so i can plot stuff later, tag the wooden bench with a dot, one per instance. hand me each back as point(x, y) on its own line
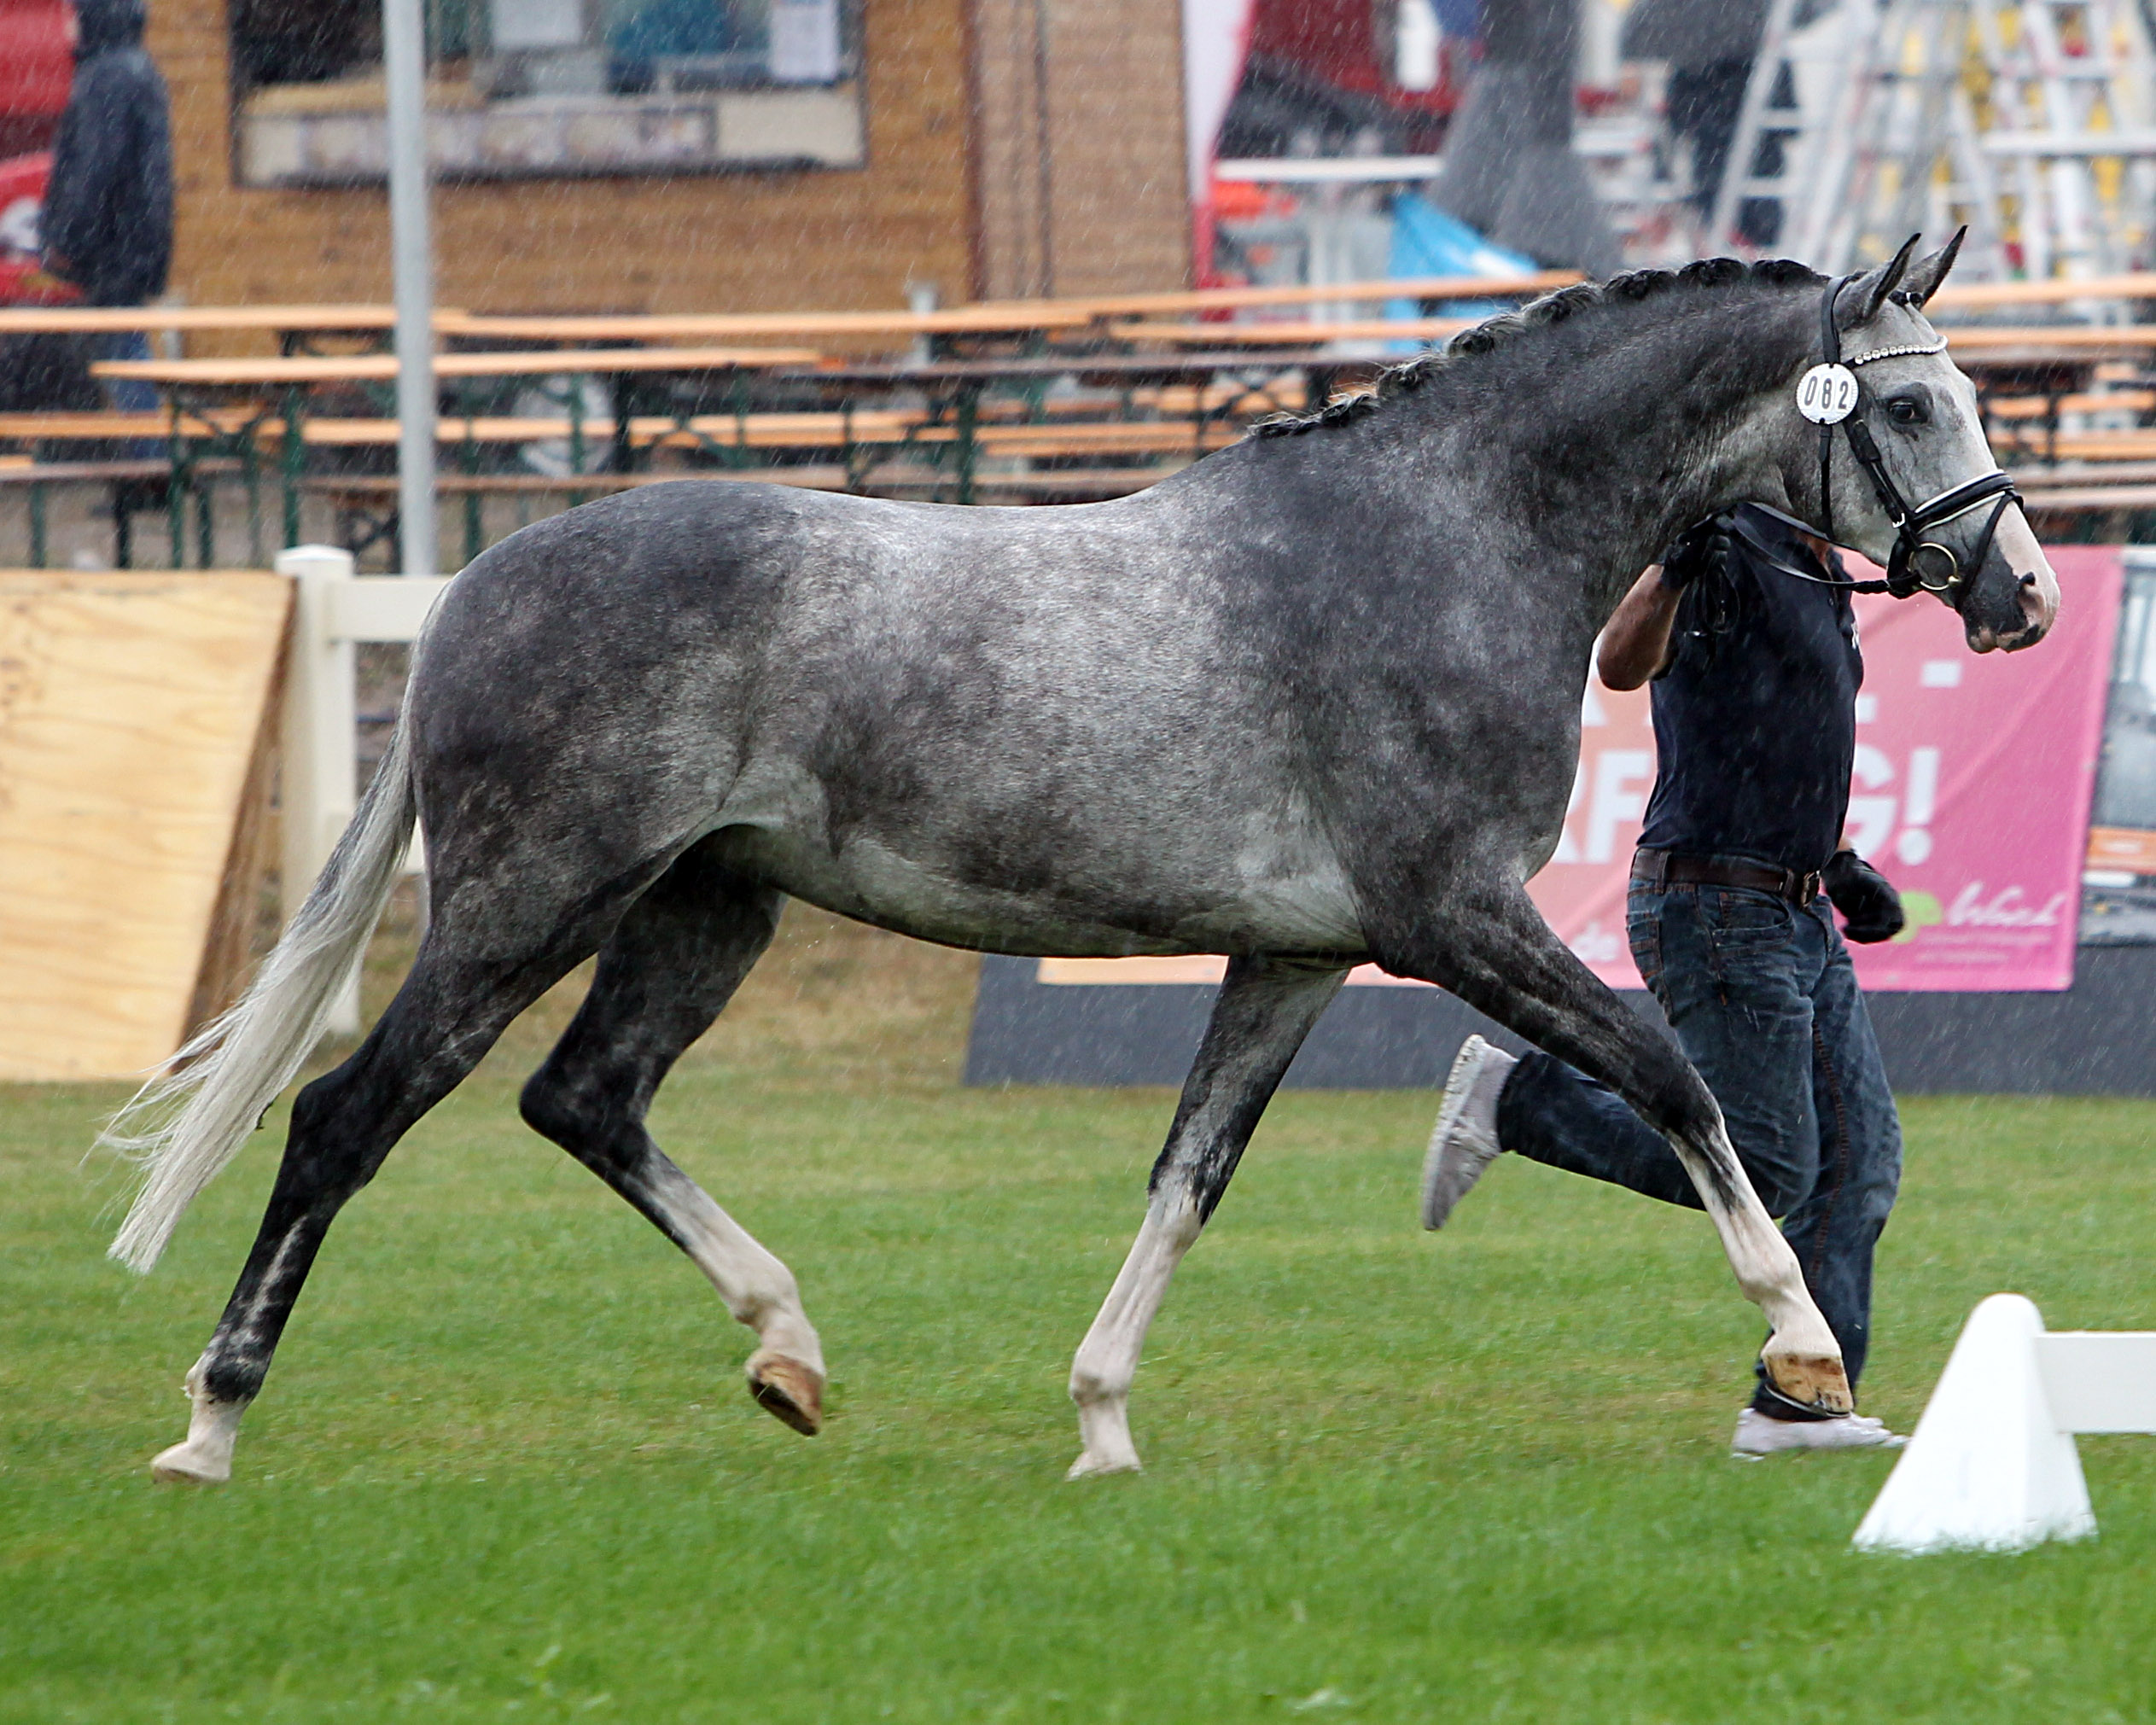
point(1015, 320)
point(1097, 443)
point(1958, 296)
point(2090, 499)
point(748, 431)
point(110, 427)
point(1954, 297)
point(277, 320)
point(378, 367)
point(130, 483)
point(2021, 407)
point(2106, 446)
point(1426, 331)
point(2089, 473)
point(1417, 287)
point(135, 486)
point(2077, 343)
point(2017, 344)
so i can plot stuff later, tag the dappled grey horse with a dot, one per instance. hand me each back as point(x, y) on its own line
point(1314, 700)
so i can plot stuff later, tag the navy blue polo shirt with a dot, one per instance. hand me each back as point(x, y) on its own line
point(1754, 718)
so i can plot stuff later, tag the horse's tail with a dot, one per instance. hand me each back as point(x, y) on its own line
point(185, 1124)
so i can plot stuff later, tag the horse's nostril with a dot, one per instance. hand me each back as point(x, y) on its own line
point(2028, 580)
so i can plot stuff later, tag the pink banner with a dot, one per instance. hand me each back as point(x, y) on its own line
point(1971, 793)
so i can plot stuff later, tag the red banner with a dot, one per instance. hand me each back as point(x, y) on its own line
point(1971, 793)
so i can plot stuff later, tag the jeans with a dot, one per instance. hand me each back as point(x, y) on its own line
point(1765, 1003)
point(127, 395)
point(130, 394)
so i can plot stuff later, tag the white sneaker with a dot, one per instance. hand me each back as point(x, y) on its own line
point(1463, 1142)
point(1757, 1435)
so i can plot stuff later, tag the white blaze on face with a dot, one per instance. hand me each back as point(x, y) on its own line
point(2016, 542)
point(2014, 538)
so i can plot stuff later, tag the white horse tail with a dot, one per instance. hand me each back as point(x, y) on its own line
point(185, 1124)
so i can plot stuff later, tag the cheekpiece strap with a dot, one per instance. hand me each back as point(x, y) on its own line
point(1830, 353)
point(1903, 577)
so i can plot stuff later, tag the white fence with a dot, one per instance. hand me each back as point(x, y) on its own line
point(333, 611)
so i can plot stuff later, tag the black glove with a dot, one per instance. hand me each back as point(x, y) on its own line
point(1699, 551)
point(1871, 909)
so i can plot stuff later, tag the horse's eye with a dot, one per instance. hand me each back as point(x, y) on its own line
point(1906, 410)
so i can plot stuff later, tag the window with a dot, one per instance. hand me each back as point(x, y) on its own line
point(552, 87)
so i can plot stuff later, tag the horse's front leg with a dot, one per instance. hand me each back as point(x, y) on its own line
point(1267, 1006)
point(1494, 950)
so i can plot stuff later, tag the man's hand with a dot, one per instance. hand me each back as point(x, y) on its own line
point(1871, 909)
point(1700, 551)
point(1635, 646)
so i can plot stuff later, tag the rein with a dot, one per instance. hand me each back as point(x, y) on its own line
point(1831, 395)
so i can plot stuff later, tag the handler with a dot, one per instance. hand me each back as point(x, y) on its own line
point(1750, 641)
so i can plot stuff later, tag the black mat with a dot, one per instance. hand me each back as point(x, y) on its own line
point(2096, 1039)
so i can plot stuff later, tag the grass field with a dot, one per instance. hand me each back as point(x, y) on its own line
point(504, 1467)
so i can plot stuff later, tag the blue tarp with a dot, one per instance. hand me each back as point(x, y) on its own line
point(1426, 242)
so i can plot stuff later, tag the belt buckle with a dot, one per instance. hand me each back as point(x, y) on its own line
point(1808, 886)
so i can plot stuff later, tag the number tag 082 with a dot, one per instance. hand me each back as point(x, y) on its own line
point(1826, 394)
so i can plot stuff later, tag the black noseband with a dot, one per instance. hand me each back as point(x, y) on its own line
point(1917, 564)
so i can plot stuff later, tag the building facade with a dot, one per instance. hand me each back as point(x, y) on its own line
point(674, 156)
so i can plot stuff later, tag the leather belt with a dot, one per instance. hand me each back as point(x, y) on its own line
point(1662, 868)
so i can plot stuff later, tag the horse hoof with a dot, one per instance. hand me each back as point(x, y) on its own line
point(184, 1464)
point(790, 1391)
point(1091, 1466)
point(1811, 1380)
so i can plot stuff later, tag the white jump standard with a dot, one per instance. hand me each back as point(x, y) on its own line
point(1993, 1466)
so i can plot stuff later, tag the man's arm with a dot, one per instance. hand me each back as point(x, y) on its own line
point(1636, 643)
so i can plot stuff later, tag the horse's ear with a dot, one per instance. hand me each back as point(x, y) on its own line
point(1859, 302)
point(1926, 274)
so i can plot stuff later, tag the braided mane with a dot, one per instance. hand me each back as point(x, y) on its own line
point(1410, 374)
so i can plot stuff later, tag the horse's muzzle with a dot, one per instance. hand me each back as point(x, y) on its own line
point(2037, 601)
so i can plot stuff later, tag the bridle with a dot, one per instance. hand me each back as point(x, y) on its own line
point(1831, 395)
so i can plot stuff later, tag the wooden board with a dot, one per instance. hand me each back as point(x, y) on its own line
point(1009, 318)
point(275, 319)
point(133, 711)
point(1289, 333)
point(354, 368)
point(1343, 293)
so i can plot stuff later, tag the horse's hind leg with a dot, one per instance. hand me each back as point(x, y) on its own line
point(452, 1005)
point(663, 976)
point(1494, 951)
point(1265, 1008)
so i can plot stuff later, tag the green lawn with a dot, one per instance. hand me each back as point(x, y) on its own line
point(505, 1468)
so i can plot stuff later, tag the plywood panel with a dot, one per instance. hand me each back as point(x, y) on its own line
point(131, 708)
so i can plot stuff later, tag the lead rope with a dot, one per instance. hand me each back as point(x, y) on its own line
point(1830, 348)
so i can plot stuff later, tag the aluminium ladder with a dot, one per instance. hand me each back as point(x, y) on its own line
point(2034, 121)
point(1857, 126)
point(2069, 97)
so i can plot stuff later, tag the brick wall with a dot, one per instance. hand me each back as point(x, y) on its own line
point(926, 208)
point(832, 237)
point(1078, 146)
